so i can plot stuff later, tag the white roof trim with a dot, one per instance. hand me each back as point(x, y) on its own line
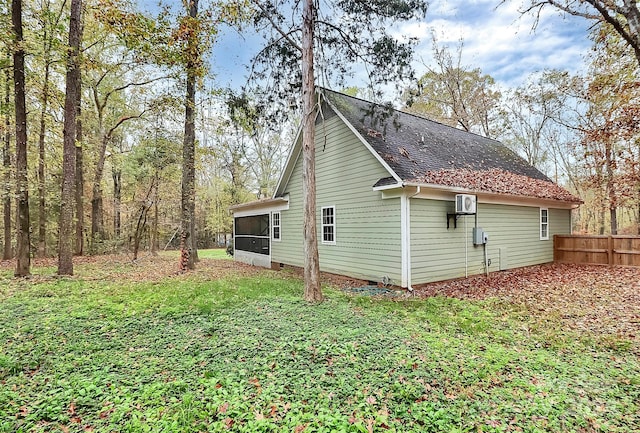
point(387, 187)
point(259, 207)
point(443, 192)
point(296, 149)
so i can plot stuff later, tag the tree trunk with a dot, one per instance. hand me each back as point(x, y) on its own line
point(42, 211)
point(79, 175)
point(638, 219)
point(611, 189)
point(6, 165)
point(67, 202)
point(187, 245)
point(116, 174)
point(97, 216)
point(312, 289)
point(140, 226)
point(23, 238)
point(154, 224)
point(142, 218)
point(601, 223)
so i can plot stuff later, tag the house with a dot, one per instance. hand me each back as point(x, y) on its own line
point(404, 200)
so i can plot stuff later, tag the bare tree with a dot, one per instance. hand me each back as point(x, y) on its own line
point(192, 65)
point(7, 252)
point(79, 173)
point(102, 100)
point(312, 290)
point(67, 201)
point(49, 20)
point(23, 235)
point(456, 95)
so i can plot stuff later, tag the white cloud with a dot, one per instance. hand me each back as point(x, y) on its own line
point(499, 40)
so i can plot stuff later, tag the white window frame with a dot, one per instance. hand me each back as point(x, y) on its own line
point(274, 225)
point(323, 225)
point(544, 225)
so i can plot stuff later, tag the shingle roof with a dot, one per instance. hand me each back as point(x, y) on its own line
point(420, 150)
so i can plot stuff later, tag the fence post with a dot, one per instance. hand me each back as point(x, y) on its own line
point(610, 251)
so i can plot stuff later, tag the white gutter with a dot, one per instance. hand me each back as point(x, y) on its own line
point(490, 195)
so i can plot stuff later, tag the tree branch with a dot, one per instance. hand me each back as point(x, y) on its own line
point(285, 35)
point(122, 120)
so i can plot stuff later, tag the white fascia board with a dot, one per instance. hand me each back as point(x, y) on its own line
point(387, 187)
point(365, 142)
point(274, 205)
point(442, 192)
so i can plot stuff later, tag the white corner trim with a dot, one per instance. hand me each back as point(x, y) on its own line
point(405, 216)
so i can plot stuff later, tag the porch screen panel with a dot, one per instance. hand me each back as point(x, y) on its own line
point(252, 234)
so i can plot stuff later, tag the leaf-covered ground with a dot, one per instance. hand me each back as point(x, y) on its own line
point(598, 300)
point(134, 347)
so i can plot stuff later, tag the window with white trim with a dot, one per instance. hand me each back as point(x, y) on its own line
point(329, 225)
point(275, 226)
point(544, 224)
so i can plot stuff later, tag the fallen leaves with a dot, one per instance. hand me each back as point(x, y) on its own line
point(598, 300)
point(498, 181)
point(148, 268)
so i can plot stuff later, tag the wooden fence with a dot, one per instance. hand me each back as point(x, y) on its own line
point(597, 250)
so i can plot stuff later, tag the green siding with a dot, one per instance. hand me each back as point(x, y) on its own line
point(367, 227)
point(514, 231)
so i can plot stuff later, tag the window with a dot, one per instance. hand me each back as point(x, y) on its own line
point(275, 226)
point(544, 224)
point(329, 225)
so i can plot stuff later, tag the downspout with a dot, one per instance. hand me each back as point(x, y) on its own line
point(466, 249)
point(408, 243)
point(486, 260)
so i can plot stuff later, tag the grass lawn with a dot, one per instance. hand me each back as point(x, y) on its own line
point(125, 348)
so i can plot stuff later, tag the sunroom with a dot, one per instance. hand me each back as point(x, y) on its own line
point(255, 225)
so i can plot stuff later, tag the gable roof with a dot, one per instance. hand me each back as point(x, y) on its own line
point(420, 151)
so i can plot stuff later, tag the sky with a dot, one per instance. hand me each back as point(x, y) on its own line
point(502, 42)
point(496, 39)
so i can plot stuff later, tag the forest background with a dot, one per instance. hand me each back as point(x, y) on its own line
point(578, 127)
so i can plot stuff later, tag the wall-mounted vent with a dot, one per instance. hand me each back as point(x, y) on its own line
point(465, 204)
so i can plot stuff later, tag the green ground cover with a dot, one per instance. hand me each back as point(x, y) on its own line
point(245, 353)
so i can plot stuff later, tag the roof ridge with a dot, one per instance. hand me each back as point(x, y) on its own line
point(408, 113)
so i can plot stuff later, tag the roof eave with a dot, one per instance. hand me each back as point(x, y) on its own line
point(494, 195)
point(387, 187)
point(258, 204)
